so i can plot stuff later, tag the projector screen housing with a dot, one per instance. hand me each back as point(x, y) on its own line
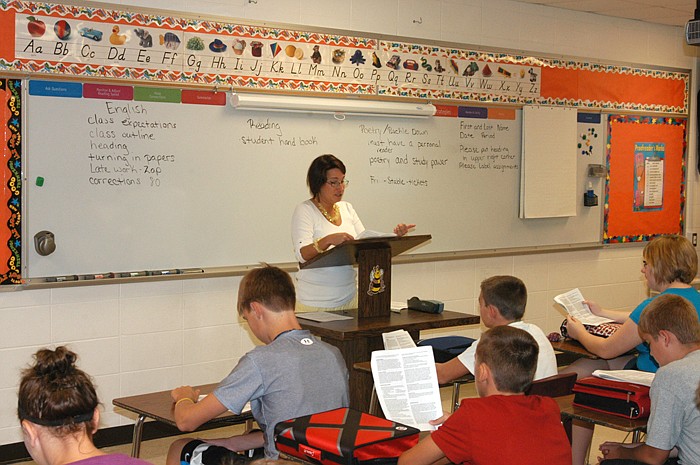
point(333, 106)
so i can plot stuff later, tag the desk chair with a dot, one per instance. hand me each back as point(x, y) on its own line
point(445, 348)
point(456, 383)
point(555, 386)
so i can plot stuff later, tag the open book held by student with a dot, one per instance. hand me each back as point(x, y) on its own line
point(405, 380)
point(573, 303)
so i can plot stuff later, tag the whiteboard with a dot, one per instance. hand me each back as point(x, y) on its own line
point(128, 185)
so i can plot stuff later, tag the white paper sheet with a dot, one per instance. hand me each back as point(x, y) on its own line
point(369, 234)
point(628, 376)
point(572, 302)
point(399, 339)
point(407, 386)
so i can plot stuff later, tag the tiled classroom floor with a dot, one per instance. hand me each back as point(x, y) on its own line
point(155, 451)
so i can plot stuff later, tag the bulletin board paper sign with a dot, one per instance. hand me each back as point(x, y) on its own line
point(106, 91)
point(201, 97)
point(56, 89)
point(648, 177)
point(625, 218)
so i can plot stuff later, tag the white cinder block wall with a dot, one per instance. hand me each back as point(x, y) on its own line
point(151, 336)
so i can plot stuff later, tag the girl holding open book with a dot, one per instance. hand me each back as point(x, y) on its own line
point(669, 265)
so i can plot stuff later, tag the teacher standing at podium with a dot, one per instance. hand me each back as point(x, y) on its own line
point(322, 222)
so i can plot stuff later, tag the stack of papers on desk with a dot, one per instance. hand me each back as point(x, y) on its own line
point(626, 376)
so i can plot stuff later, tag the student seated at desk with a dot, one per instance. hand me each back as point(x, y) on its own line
point(501, 302)
point(671, 328)
point(669, 265)
point(503, 426)
point(58, 409)
point(294, 374)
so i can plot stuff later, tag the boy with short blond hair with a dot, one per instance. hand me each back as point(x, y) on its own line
point(671, 328)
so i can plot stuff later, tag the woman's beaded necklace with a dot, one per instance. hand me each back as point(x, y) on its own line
point(332, 218)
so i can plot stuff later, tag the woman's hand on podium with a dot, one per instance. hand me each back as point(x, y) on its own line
point(401, 229)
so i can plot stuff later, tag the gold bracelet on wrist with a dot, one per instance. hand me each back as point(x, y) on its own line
point(317, 247)
point(182, 400)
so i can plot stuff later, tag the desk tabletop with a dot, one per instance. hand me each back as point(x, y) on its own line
point(569, 410)
point(159, 406)
point(572, 346)
point(410, 320)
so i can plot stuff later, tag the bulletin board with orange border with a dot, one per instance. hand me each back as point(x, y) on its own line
point(634, 142)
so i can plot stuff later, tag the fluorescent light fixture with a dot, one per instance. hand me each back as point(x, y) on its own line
point(334, 106)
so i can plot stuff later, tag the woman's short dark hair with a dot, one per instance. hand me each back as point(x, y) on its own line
point(316, 176)
point(55, 393)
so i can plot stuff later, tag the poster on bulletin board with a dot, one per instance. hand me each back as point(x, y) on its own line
point(646, 182)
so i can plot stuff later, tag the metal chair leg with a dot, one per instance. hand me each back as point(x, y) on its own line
point(136, 440)
point(373, 402)
point(455, 396)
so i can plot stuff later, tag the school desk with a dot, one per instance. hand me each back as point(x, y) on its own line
point(570, 350)
point(159, 406)
point(357, 338)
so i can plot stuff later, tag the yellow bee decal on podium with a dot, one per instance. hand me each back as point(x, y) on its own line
point(376, 281)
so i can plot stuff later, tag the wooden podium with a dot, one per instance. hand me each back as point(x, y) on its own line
point(358, 337)
point(373, 259)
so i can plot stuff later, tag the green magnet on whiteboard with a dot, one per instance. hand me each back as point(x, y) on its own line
point(39, 181)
